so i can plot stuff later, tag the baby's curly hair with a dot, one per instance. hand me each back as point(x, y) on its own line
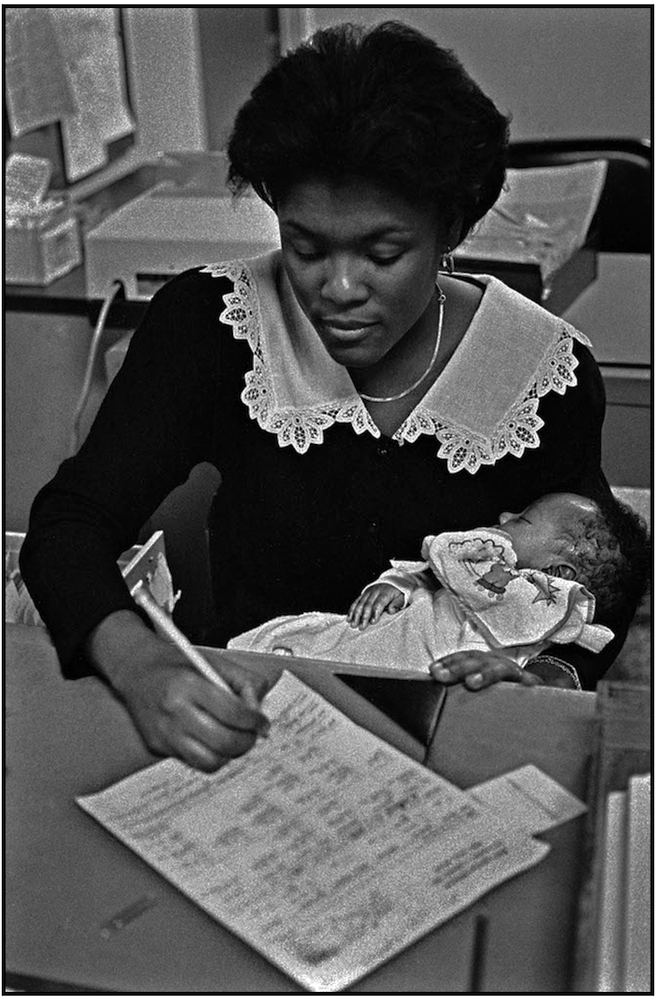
point(610, 549)
point(386, 104)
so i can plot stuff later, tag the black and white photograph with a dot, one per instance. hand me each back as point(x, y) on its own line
point(328, 467)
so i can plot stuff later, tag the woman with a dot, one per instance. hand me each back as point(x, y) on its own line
point(342, 393)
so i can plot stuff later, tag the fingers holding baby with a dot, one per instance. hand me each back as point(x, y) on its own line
point(478, 669)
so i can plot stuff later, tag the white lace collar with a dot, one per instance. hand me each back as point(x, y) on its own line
point(483, 405)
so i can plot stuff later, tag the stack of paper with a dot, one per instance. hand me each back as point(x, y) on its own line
point(625, 941)
point(542, 216)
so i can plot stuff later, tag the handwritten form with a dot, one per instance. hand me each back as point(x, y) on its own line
point(529, 798)
point(324, 848)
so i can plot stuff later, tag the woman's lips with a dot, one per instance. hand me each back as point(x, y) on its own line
point(345, 331)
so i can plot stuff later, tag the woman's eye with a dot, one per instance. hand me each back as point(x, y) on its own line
point(385, 259)
point(307, 253)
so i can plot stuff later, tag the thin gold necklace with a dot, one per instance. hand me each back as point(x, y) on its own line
point(406, 392)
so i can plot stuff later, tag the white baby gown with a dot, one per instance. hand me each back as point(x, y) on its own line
point(467, 594)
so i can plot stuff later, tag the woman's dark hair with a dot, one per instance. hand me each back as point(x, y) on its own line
point(387, 104)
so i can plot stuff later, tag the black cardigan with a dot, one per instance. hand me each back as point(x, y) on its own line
point(290, 532)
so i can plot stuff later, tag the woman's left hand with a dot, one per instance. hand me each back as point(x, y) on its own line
point(477, 670)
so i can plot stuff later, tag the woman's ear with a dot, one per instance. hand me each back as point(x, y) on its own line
point(563, 570)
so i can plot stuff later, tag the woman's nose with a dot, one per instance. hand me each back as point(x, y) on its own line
point(505, 516)
point(344, 281)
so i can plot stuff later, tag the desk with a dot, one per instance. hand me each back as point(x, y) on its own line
point(66, 875)
point(68, 295)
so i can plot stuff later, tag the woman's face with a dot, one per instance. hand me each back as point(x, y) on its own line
point(362, 262)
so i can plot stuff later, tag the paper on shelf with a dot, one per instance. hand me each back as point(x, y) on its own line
point(26, 182)
point(610, 938)
point(542, 216)
point(325, 848)
point(624, 940)
point(38, 88)
point(88, 38)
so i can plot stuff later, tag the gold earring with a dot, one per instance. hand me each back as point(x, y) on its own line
point(446, 262)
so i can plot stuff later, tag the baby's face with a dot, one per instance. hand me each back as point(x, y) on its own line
point(535, 531)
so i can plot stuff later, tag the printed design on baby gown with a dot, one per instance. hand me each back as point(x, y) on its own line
point(473, 552)
point(546, 588)
point(496, 579)
point(498, 571)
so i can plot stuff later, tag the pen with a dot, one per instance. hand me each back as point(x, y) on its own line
point(170, 631)
point(164, 624)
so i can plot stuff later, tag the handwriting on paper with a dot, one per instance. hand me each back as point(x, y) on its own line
point(324, 847)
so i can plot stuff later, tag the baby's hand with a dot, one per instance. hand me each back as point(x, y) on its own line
point(371, 603)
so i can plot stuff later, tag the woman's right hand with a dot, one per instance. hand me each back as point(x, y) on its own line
point(176, 710)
